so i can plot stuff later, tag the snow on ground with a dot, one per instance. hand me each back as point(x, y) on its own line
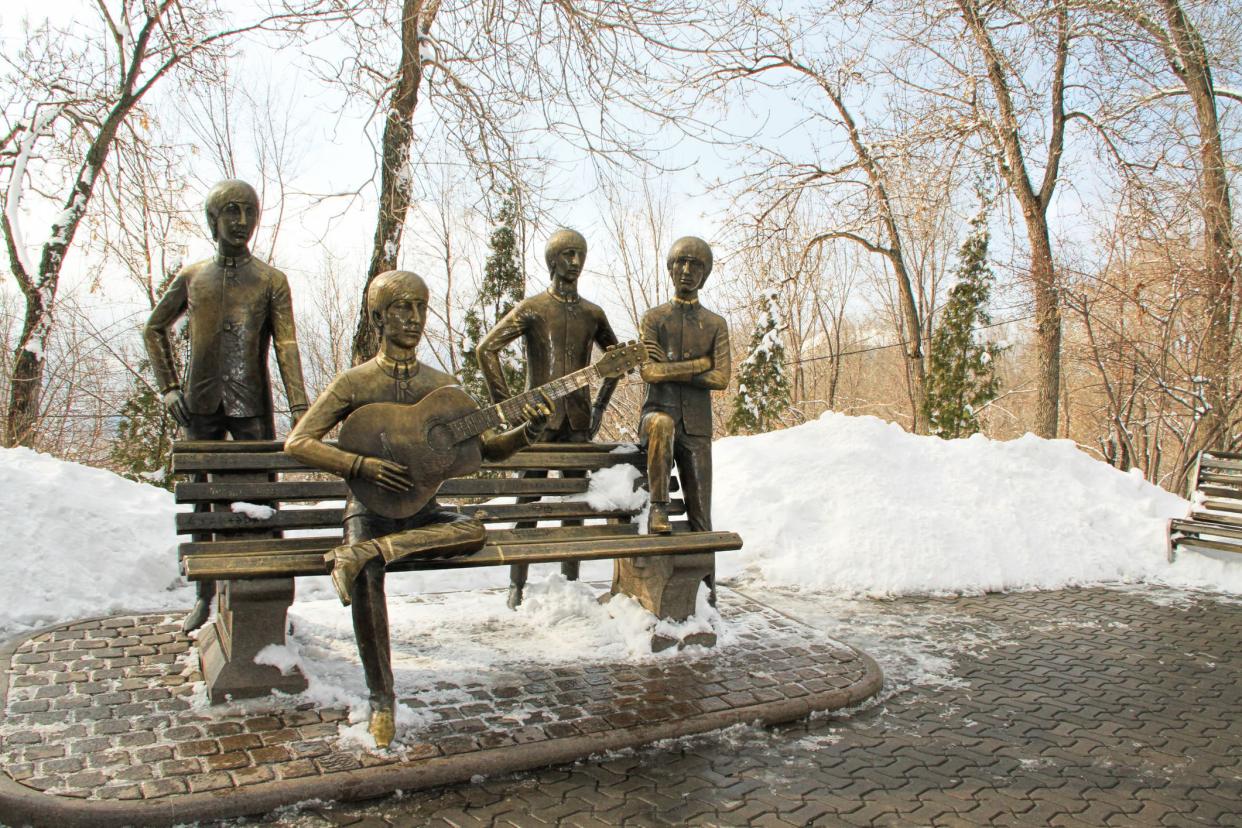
point(79, 542)
point(857, 506)
point(850, 506)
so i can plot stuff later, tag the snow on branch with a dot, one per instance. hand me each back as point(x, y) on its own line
point(16, 189)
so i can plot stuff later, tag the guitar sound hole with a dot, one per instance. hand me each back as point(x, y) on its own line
point(440, 438)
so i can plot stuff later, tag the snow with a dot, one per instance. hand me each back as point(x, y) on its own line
point(254, 511)
point(840, 508)
point(857, 506)
point(17, 184)
point(82, 542)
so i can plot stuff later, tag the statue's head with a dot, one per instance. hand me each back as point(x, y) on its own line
point(232, 212)
point(565, 254)
point(689, 263)
point(397, 306)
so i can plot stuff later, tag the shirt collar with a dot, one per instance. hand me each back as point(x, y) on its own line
point(233, 262)
point(686, 304)
point(397, 369)
point(564, 300)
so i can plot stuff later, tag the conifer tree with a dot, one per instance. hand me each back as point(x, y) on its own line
point(961, 375)
point(504, 284)
point(762, 386)
point(142, 450)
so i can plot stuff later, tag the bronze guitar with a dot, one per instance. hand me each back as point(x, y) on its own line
point(438, 437)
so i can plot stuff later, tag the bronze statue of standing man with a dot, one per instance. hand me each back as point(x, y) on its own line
point(688, 350)
point(238, 307)
point(557, 328)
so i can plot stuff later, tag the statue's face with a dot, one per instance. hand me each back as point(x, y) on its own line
point(403, 320)
point(235, 223)
point(567, 263)
point(687, 270)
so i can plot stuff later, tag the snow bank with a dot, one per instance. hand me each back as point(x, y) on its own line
point(80, 541)
point(856, 505)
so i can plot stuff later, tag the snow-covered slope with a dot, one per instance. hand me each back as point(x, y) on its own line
point(78, 541)
point(844, 504)
point(857, 505)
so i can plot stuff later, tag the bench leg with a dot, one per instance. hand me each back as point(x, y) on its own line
point(668, 586)
point(249, 616)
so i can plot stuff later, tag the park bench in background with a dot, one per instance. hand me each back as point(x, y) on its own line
point(1215, 520)
point(255, 565)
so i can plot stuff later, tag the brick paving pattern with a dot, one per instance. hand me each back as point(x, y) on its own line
point(1087, 708)
point(114, 709)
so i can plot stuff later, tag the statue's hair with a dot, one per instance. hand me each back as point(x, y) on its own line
point(226, 192)
point(699, 247)
point(386, 287)
point(562, 238)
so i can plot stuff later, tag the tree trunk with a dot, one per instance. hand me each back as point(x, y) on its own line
point(396, 178)
point(1047, 328)
point(1220, 258)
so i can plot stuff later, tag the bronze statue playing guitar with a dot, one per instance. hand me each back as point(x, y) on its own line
point(420, 429)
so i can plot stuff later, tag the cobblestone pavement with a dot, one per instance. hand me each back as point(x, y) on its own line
point(1081, 707)
point(104, 719)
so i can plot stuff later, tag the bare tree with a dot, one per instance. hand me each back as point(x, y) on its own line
point(73, 93)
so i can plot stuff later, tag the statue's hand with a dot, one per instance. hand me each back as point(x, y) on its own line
point(392, 476)
point(174, 404)
point(654, 352)
point(537, 415)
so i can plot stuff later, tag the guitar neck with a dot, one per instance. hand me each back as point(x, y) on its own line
point(510, 413)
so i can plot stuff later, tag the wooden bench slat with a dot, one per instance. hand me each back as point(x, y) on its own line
point(1221, 462)
point(1218, 545)
point(275, 446)
point(1197, 527)
point(296, 490)
point(193, 522)
point(1222, 505)
point(321, 544)
point(1209, 517)
point(224, 462)
point(232, 567)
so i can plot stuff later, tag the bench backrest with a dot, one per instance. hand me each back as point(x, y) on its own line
point(308, 505)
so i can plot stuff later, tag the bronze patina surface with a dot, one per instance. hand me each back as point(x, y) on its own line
point(557, 329)
point(397, 306)
point(237, 308)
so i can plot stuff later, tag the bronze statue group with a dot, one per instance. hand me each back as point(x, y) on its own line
point(238, 306)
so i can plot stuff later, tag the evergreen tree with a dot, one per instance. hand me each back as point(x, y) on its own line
point(961, 375)
point(142, 450)
point(504, 284)
point(762, 386)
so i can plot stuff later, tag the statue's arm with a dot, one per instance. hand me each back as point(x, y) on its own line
point(659, 368)
point(604, 338)
point(499, 445)
point(155, 334)
point(285, 339)
point(716, 377)
point(306, 443)
point(509, 328)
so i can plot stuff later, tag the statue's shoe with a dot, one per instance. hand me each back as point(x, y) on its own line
point(197, 616)
point(383, 727)
point(657, 520)
point(515, 596)
point(347, 562)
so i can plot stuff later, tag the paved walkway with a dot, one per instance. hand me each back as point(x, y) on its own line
point(1082, 707)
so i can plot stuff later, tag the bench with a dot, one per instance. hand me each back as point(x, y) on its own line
point(255, 564)
point(1215, 520)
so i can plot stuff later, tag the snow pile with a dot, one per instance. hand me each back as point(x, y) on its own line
point(80, 542)
point(858, 506)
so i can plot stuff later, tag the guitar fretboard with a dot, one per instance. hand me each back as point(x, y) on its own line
point(509, 412)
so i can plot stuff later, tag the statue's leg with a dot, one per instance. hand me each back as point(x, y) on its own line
point(519, 572)
point(657, 431)
point(693, 454)
point(571, 569)
point(441, 535)
point(370, 616)
point(202, 427)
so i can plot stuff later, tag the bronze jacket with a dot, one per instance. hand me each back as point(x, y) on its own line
point(558, 336)
point(695, 343)
point(236, 308)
